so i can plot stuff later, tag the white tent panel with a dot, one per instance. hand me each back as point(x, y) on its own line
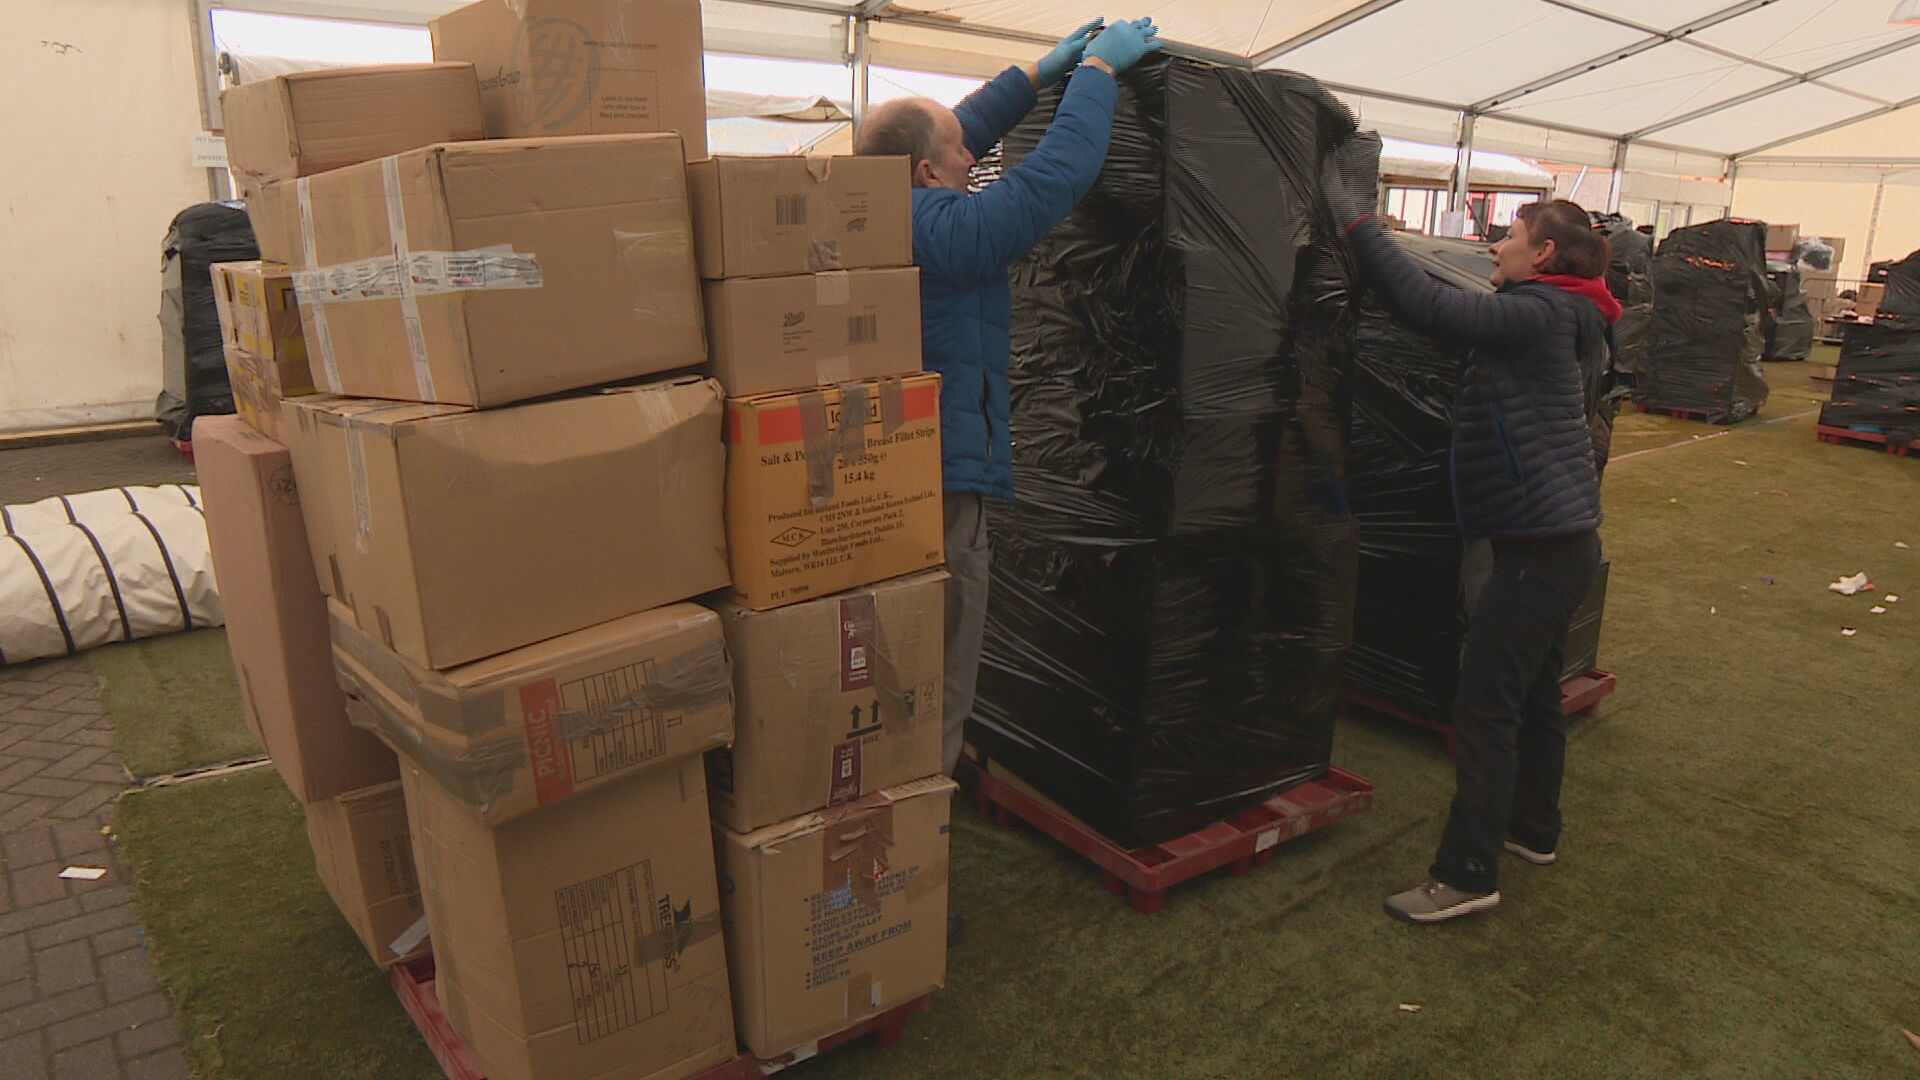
point(780, 33)
point(1893, 77)
point(1807, 34)
point(1652, 159)
point(1674, 189)
point(947, 52)
point(1663, 14)
point(1403, 160)
point(1493, 133)
point(1895, 135)
point(1241, 27)
point(1456, 50)
point(1642, 90)
point(1816, 173)
point(1763, 119)
point(1398, 118)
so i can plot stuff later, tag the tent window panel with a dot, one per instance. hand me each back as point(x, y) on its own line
point(1417, 207)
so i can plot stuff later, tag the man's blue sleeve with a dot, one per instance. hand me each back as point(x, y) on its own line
point(990, 112)
point(967, 238)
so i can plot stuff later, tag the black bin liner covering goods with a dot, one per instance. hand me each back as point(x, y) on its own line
point(1710, 313)
point(1630, 280)
point(1791, 334)
point(193, 377)
point(1876, 384)
point(1172, 591)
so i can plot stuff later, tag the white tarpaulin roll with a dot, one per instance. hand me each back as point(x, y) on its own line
point(115, 565)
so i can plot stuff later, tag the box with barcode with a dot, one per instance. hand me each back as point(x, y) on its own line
point(766, 216)
point(583, 941)
point(519, 732)
point(800, 330)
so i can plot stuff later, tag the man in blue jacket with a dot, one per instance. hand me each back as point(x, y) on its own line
point(963, 244)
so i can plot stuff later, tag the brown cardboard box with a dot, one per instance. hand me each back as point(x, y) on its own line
point(837, 915)
point(763, 216)
point(259, 386)
point(258, 311)
point(801, 330)
point(513, 733)
point(454, 535)
point(533, 266)
point(833, 488)
point(275, 216)
point(582, 942)
point(584, 67)
point(1782, 237)
point(1868, 304)
point(365, 858)
point(836, 698)
point(312, 121)
point(276, 616)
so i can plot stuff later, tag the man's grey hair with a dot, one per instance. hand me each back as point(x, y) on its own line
point(903, 126)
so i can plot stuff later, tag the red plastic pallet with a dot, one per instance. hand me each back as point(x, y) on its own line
point(1841, 436)
point(1578, 697)
point(414, 984)
point(1143, 875)
point(185, 447)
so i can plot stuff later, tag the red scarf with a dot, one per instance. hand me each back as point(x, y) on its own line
point(1593, 289)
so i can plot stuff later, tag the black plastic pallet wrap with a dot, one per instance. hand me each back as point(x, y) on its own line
point(1876, 384)
point(1710, 310)
point(193, 370)
point(1410, 614)
point(1630, 280)
point(1172, 590)
point(1790, 336)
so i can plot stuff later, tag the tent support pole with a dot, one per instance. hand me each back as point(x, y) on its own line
point(1462, 168)
point(1618, 189)
point(862, 62)
point(1873, 227)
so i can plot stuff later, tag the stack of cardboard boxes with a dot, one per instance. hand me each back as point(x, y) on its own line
point(1821, 286)
point(473, 602)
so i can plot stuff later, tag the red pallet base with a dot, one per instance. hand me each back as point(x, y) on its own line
point(1840, 436)
point(185, 447)
point(1578, 697)
point(414, 984)
point(1143, 875)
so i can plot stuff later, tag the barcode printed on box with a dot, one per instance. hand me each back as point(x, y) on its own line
point(610, 726)
point(863, 329)
point(789, 210)
point(601, 920)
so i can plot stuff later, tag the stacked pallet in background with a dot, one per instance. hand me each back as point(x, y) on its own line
point(829, 810)
point(1876, 387)
point(1709, 331)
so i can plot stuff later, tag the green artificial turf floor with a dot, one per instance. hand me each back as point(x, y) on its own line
point(1737, 895)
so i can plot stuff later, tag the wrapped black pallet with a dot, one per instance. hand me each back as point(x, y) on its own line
point(1876, 385)
point(193, 376)
point(1630, 280)
point(1172, 591)
point(1710, 309)
point(1790, 333)
point(1410, 613)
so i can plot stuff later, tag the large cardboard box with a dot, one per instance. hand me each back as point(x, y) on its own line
point(364, 855)
point(516, 732)
point(801, 330)
point(258, 310)
point(763, 216)
point(276, 615)
point(582, 942)
point(1782, 237)
point(835, 699)
point(454, 535)
point(532, 266)
point(311, 121)
point(1868, 303)
point(837, 915)
point(583, 67)
point(833, 488)
point(274, 214)
point(259, 386)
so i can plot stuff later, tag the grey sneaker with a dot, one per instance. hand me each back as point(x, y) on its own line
point(1436, 902)
point(1537, 858)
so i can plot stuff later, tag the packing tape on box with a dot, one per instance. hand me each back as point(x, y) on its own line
point(409, 301)
point(893, 405)
point(666, 944)
point(410, 938)
point(427, 273)
point(316, 304)
point(644, 250)
point(855, 852)
point(833, 288)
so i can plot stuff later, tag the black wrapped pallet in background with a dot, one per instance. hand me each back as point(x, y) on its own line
point(193, 369)
point(1630, 280)
point(1790, 334)
point(1172, 590)
point(1876, 384)
point(1710, 312)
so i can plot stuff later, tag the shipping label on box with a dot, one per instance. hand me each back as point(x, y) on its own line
point(582, 941)
point(364, 855)
point(786, 333)
point(516, 732)
point(276, 616)
point(311, 121)
point(838, 915)
point(835, 699)
point(455, 534)
point(833, 488)
point(485, 273)
point(583, 67)
point(765, 216)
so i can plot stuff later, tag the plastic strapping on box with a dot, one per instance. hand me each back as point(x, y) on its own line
point(402, 261)
point(314, 299)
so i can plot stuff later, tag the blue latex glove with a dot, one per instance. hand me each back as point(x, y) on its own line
point(1066, 56)
point(1123, 44)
